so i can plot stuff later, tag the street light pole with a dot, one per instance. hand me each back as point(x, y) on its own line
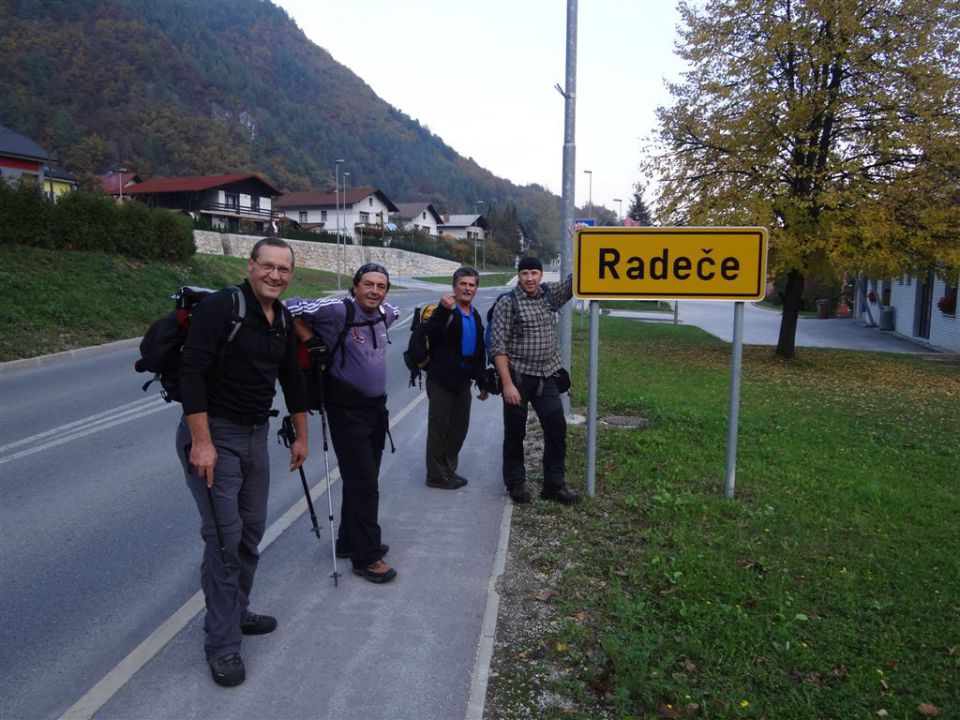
point(476, 210)
point(619, 201)
point(336, 195)
point(121, 171)
point(590, 193)
point(344, 206)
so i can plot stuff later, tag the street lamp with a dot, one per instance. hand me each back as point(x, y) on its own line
point(336, 196)
point(476, 239)
point(121, 171)
point(345, 221)
point(620, 211)
point(590, 193)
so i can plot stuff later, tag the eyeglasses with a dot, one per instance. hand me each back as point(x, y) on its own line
point(270, 268)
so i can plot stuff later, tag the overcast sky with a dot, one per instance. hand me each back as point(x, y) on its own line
point(481, 75)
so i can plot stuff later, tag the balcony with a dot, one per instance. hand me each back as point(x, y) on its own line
point(231, 210)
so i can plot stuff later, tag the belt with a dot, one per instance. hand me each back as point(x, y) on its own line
point(253, 421)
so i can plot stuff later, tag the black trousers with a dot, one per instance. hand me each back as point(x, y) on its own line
point(358, 434)
point(543, 394)
point(448, 421)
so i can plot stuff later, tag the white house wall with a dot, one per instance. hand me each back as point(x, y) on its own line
point(944, 329)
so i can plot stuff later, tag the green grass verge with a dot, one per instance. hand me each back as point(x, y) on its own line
point(52, 301)
point(486, 279)
point(637, 305)
point(829, 588)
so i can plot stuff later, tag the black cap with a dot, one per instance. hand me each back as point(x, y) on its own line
point(530, 263)
point(370, 267)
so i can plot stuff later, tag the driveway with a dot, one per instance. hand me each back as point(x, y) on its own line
point(761, 326)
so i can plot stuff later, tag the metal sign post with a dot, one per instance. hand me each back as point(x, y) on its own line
point(670, 264)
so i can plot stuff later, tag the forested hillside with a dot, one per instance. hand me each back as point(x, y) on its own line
point(184, 87)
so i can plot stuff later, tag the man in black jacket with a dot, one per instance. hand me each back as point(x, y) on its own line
point(457, 357)
point(227, 389)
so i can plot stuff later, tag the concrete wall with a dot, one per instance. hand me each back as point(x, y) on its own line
point(323, 256)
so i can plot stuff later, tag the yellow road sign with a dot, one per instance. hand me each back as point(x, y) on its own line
point(671, 263)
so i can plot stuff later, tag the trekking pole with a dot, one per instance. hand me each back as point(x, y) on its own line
point(213, 509)
point(216, 522)
point(326, 471)
point(287, 434)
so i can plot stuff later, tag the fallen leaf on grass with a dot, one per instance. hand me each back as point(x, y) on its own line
point(546, 595)
point(666, 711)
point(928, 710)
point(689, 666)
point(881, 713)
point(561, 647)
point(581, 616)
point(670, 591)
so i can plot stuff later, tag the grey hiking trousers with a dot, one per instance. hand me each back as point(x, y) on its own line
point(241, 483)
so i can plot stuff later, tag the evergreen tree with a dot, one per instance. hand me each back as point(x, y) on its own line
point(639, 212)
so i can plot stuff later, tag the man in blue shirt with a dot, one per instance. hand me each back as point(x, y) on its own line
point(457, 354)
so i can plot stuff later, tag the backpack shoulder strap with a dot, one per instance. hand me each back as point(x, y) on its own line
point(239, 311)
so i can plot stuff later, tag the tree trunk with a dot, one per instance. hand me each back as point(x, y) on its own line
point(792, 298)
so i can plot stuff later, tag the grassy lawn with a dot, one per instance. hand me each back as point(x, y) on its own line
point(829, 588)
point(637, 305)
point(52, 301)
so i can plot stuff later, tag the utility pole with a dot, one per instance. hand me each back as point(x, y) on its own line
point(569, 92)
point(619, 202)
point(336, 195)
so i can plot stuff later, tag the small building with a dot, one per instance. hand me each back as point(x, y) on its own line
point(58, 181)
point(464, 227)
point(21, 157)
point(361, 210)
point(420, 216)
point(228, 202)
point(115, 183)
point(923, 309)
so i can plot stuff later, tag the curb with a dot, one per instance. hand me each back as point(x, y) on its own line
point(75, 353)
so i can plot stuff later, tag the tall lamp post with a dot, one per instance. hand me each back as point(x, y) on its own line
point(343, 206)
point(619, 202)
point(476, 210)
point(336, 195)
point(590, 192)
point(120, 172)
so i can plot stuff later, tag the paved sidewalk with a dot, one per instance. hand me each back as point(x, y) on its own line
point(761, 326)
point(407, 650)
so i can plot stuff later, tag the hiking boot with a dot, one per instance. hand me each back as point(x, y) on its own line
point(254, 624)
point(562, 495)
point(447, 483)
point(460, 479)
point(519, 494)
point(378, 572)
point(228, 671)
point(345, 554)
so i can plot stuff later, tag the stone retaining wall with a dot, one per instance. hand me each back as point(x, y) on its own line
point(323, 256)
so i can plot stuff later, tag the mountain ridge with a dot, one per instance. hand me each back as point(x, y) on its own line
point(185, 88)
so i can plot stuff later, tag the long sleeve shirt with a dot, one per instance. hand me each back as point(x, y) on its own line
point(361, 361)
point(525, 328)
point(238, 378)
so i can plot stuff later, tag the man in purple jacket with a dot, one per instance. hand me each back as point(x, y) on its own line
point(355, 400)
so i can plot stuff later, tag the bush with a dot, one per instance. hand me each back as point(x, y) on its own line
point(169, 236)
point(25, 215)
point(87, 221)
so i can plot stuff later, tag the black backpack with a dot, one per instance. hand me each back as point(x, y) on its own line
point(417, 355)
point(161, 348)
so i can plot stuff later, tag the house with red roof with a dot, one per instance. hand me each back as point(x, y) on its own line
point(115, 183)
point(354, 211)
point(227, 202)
point(21, 157)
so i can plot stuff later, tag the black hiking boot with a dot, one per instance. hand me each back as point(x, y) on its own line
point(562, 495)
point(228, 671)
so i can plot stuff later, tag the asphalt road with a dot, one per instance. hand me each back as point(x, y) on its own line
point(99, 545)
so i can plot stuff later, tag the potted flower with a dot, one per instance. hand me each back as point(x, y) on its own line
point(948, 303)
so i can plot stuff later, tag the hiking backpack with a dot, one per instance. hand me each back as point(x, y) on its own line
point(313, 375)
point(161, 348)
point(417, 355)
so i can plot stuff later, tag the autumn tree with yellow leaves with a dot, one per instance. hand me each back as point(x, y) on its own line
point(834, 123)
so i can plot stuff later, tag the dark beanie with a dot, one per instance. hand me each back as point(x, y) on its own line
point(530, 263)
point(370, 267)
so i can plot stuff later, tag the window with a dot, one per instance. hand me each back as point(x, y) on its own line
point(364, 217)
point(303, 216)
point(255, 203)
point(424, 215)
point(232, 200)
point(370, 201)
point(323, 216)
